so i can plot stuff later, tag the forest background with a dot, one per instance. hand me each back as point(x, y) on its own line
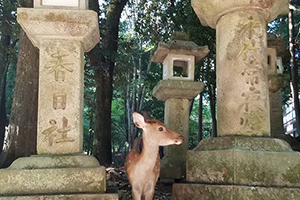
point(119, 74)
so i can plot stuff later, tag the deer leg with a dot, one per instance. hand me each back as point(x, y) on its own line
point(149, 195)
point(149, 192)
point(136, 192)
point(136, 195)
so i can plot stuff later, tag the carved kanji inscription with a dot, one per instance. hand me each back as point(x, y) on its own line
point(60, 101)
point(53, 134)
point(59, 65)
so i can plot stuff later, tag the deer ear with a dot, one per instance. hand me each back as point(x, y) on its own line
point(138, 120)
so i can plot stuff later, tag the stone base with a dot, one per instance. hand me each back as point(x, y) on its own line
point(249, 161)
point(65, 197)
point(172, 169)
point(289, 139)
point(231, 192)
point(38, 175)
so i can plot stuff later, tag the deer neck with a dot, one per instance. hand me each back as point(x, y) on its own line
point(149, 152)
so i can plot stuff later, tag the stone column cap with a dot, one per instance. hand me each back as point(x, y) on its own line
point(210, 11)
point(177, 89)
point(80, 25)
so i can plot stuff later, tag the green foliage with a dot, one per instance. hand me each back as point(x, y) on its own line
point(207, 123)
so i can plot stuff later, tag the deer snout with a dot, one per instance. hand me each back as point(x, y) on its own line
point(179, 140)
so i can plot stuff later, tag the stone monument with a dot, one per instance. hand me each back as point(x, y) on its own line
point(62, 30)
point(177, 88)
point(243, 162)
point(277, 52)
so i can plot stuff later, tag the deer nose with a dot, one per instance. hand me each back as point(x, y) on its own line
point(181, 137)
point(179, 140)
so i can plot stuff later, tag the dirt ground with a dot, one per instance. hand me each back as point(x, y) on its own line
point(117, 180)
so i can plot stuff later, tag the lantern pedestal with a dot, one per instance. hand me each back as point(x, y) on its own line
point(60, 171)
point(177, 96)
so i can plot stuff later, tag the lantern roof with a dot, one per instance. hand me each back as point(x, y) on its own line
point(179, 44)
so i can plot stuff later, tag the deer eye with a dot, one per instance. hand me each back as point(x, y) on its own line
point(161, 128)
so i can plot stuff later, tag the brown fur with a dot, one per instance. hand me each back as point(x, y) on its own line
point(143, 168)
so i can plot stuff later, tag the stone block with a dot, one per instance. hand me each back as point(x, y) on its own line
point(76, 25)
point(60, 114)
point(96, 196)
point(61, 4)
point(55, 161)
point(244, 143)
point(53, 175)
point(230, 192)
point(210, 11)
point(166, 89)
point(171, 168)
point(52, 181)
point(185, 62)
point(267, 163)
point(177, 119)
point(272, 55)
point(179, 47)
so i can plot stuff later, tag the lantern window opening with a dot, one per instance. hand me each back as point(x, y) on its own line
point(180, 68)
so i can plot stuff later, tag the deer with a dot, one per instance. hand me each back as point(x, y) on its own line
point(143, 167)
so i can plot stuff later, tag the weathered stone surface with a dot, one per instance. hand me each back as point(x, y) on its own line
point(243, 100)
point(76, 25)
point(185, 62)
point(52, 181)
point(98, 196)
point(172, 168)
point(180, 47)
point(272, 55)
point(279, 44)
point(276, 114)
point(60, 114)
point(278, 82)
point(61, 4)
point(177, 118)
point(52, 161)
point(211, 11)
point(62, 37)
point(183, 36)
point(230, 192)
point(166, 89)
point(243, 143)
point(245, 166)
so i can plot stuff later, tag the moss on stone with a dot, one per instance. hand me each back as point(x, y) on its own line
point(293, 175)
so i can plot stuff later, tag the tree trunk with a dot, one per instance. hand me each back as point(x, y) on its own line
point(23, 119)
point(200, 118)
point(3, 69)
point(212, 100)
point(294, 71)
point(4, 63)
point(212, 103)
point(104, 67)
point(3, 119)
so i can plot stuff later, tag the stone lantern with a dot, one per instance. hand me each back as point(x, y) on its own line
point(243, 162)
point(177, 88)
point(62, 30)
point(277, 52)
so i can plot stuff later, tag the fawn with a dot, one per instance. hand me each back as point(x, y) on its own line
point(143, 168)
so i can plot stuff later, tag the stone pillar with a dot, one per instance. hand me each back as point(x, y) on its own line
point(60, 171)
point(243, 101)
point(243, 162)
point(177, 88)
point(278, 81)
point(177, 96)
